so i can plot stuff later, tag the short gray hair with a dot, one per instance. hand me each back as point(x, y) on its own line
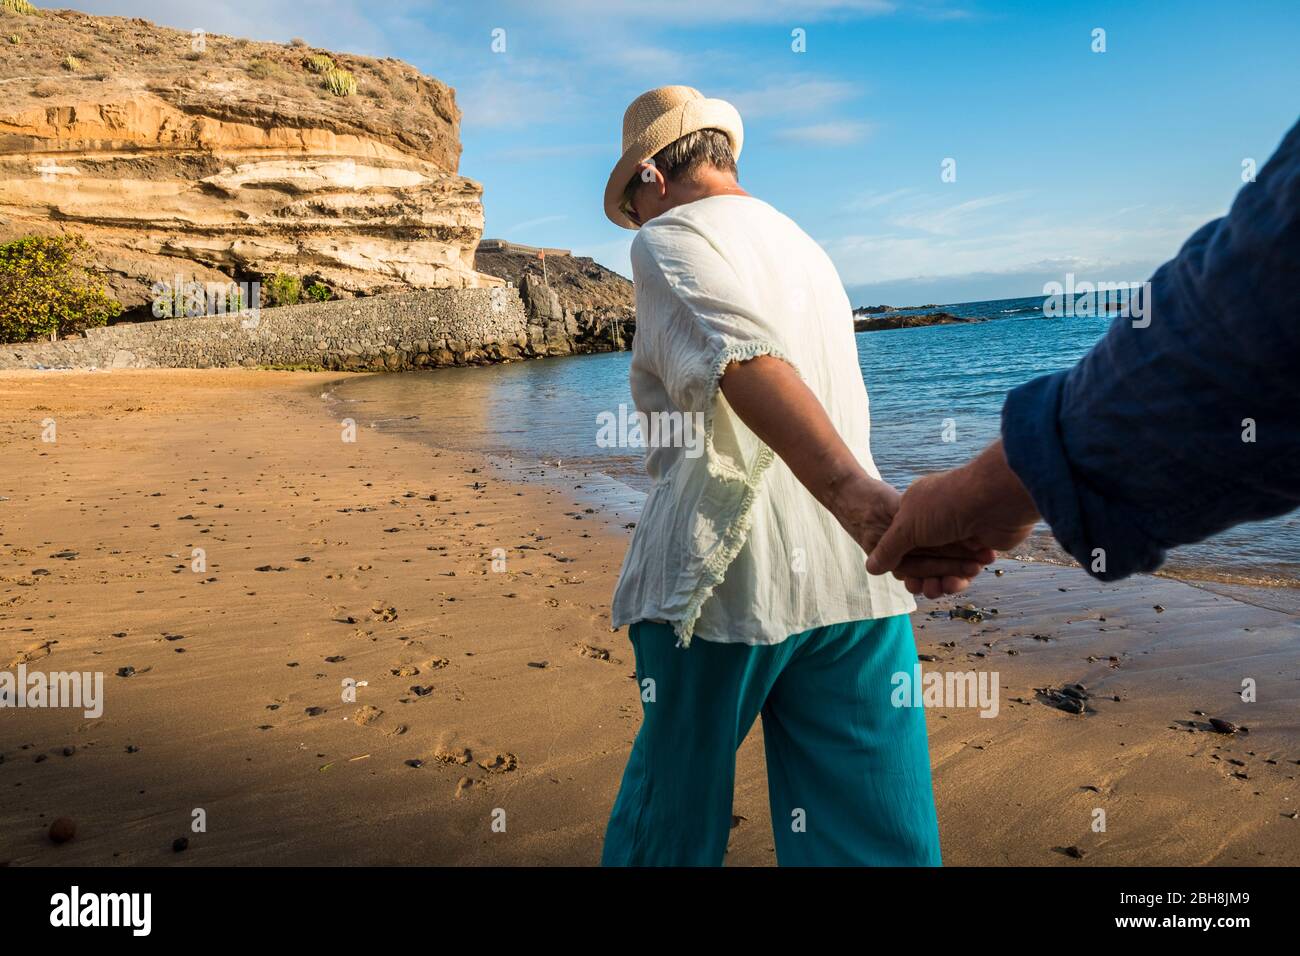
point(703, 147)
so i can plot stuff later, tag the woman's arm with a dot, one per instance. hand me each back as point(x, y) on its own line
point(772, 400)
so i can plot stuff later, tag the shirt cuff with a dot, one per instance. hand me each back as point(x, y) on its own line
point(1081, 520)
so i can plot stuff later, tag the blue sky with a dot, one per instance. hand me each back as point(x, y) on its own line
point(1067, 160)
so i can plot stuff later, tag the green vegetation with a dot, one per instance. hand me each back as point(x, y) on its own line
point(282, 289)
point(71, 64)
point(318, 63)
point(319, 292)
point(46, 289)
point(15, 39)
point(340, 82)
point(20, 7)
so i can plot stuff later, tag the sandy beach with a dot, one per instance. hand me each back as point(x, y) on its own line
point(494, 708)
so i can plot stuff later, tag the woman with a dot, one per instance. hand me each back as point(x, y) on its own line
point(756, 547)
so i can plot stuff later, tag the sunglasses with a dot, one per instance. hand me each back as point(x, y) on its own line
point(625, 206)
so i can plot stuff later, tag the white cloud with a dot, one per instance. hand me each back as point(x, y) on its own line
point(835, 133)
point(512, 231)
point(949, 220)
point(716, 11)
point(790, 98)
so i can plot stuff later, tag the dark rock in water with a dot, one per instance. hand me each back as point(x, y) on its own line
point(883, 322)
point(1072, 698)
point(180, 844)
point(1223, 726)
point(127, 671)
point(1077, 691)
point(971, 613)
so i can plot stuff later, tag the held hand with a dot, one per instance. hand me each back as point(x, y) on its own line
point(982, 504)
point(866, 507)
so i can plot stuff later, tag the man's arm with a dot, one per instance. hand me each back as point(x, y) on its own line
point(1172, 428)
point(772, 400)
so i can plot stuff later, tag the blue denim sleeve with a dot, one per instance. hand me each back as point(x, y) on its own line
point(1165, 435)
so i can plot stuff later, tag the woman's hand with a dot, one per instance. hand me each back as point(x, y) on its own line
point(865, 507)
point(771, 398)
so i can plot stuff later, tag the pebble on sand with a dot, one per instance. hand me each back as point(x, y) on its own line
point(62, 830)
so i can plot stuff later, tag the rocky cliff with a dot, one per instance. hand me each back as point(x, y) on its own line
point(582, 283)
point(217, 158)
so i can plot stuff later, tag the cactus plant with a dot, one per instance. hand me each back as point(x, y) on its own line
point(340, 82)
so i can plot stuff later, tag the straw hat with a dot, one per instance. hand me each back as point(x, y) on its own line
point(656, 119)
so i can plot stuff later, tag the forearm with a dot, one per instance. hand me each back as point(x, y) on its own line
point(772, 400)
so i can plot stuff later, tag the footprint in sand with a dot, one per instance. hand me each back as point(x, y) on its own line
point(501, 763)
point(33, 652)
point(454, 755)
point(595, 653)
point(465, 784)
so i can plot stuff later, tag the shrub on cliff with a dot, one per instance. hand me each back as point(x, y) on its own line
point(319, 292)
point(18, 6)
point(318, 63)
point(263, 69)
point(340, 82)
point(47, 288)
point(282, 289)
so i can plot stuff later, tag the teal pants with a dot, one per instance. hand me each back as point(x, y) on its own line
point(848, 773)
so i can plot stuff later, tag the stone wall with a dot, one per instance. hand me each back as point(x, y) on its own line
point(405, 330)
point(431, 328)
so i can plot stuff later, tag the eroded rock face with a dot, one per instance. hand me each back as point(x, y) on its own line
point(231, 161)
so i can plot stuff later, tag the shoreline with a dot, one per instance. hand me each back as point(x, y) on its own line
point(507, 691)
point(1040, 547)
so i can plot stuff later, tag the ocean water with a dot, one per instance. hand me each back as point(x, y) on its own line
point(917, 380)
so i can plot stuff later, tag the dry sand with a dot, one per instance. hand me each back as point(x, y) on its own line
point(487, 695)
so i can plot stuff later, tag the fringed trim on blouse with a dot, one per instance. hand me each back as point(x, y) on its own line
point(737, 523)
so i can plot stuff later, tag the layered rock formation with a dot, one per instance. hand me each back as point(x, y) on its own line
point(213, 158)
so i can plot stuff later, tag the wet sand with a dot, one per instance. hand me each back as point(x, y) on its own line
point(499, 694)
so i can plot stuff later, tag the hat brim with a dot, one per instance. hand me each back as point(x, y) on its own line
point(686, 118)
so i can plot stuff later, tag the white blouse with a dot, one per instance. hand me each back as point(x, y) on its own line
point(730, 546)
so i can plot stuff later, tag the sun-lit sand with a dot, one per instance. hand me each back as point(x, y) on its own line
point(493, 707)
